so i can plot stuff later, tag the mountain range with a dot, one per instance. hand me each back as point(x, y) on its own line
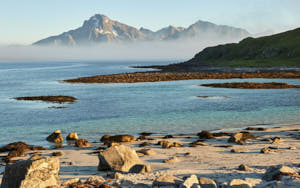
point(100, 29)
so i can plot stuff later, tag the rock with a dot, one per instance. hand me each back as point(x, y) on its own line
point(275, 172)
point(20, 145)
point(265, 150)
point(58, 153)
point(122, 138)
point(255, 129)
point(55, 137)
point(142, 137)
point(168, 136)
point(220, 134)
point(171, 160)
point(243, 167)
point(20, 152)
point(167, 181)
point(105, 138)
point(241, 137)
point(276, 140)
point(118, 158)
point(145, 134)
point(238, 183)
point(110, 144)
point(207, 183)
point(146, 151)
point(72, 136)
point(38, 172)
point(240, 150)
point(144, 144)
point(140, 168)
point(167, 144)
point(70, 181)
point(292, 147)
point(190, 182)
point(95, 180)
point(107, 186)
point(205, 135)
point(197, 143)
point(267, 140)
point(82, 143)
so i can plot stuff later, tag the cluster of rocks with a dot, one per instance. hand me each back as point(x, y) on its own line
point(72, 137)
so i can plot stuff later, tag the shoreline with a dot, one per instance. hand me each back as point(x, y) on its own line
point(210, 159)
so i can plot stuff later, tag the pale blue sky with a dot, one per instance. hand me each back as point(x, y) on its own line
point(26, 21)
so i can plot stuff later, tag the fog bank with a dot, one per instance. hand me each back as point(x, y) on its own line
point(173, 50)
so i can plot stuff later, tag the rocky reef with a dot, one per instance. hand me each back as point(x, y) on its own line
point(252, 85)
point(52, 99)
point(172, 76)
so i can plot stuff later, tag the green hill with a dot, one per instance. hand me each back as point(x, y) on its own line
point(282, 49)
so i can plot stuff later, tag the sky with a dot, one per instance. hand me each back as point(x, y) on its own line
point(23, 22)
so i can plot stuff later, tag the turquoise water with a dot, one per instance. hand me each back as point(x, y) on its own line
point(161, 107)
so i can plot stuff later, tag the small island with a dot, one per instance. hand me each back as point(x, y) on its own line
point(252, 85)
point(52, 99)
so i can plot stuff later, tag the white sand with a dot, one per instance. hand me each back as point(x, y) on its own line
point(207, 161)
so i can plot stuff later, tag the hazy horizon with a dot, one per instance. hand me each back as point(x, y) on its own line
point(23, 23)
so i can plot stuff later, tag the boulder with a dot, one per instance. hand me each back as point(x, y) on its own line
point(38, 172)
point(238, 183)
point(72, 136)
point(167, 144)
point(118, 158)
point(205, 135)
point(275, 172)
point(140, 168)
point(55, 137)
point(167, 181)
point(190, 182)
point(240, 138)
point(82, 143)
point(207, 183)
point(197, 143)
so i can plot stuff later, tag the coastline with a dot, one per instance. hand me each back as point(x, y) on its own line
point(210, 159)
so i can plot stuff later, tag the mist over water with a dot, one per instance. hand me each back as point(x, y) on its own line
point(165, 50)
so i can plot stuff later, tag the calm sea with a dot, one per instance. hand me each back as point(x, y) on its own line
point(161, 107)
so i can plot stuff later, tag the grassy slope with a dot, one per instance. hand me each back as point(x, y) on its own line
point(277, 50)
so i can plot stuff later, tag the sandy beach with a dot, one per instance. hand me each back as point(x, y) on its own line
point(212, 159)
